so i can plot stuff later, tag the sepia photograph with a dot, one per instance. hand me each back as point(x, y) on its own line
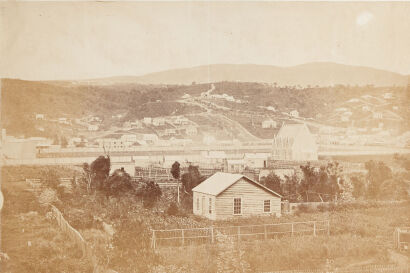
point(204, 137)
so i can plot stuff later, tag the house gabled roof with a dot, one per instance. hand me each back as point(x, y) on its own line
point(292, 130)
point(219, 182)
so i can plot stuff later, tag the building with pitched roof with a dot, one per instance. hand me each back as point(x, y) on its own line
point(227, 195)
point(294, 142)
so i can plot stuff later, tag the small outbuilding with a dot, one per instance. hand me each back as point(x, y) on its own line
point(227, 195)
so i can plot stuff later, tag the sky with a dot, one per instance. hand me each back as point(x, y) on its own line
point(77, 40)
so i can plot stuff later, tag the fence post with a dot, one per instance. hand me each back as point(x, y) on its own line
point(239, 233)
point(266, 234)
point(153, 239)
point(183, 238)
point(292, 229)
point(314, 228)
point(328, 227)
point(212, 234)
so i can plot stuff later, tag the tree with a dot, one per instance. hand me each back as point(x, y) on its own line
point(290, 188)
point(150, 193)
point(377, 173)
point(118, 183)
point(359, 188)
point(273, 182)
point(191, 179)
point(175, 171)
point(100, 170)
point(87, 176)
point(310, 177)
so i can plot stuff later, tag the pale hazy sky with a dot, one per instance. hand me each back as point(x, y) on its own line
point(76, 40)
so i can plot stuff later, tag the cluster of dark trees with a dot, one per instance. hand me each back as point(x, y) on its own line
point(97, 179)
point(189, 180)
point(317, 184)
point(327, 183)
point(380, 183)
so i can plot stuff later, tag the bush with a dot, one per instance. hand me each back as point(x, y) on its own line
point(132, 247)
point(150, 193)
point(173, 209)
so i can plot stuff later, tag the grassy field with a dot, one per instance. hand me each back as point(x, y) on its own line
point(358, 235)
point(33, 242)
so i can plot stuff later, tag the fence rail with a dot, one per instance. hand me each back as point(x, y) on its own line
point(194, 236)
point(389, 268)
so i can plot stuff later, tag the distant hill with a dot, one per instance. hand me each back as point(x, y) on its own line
point(322, 74)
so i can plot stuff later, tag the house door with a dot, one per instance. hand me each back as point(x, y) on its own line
point(203, 205)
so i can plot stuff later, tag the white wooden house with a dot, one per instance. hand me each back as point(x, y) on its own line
point(226, 195)
point(269, 123)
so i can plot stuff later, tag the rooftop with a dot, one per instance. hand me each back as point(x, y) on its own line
point(219, 182)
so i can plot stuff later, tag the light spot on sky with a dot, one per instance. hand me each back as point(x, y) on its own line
point(364, 18)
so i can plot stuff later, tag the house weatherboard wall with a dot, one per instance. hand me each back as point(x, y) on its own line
point(227, 195)
point(294, 142)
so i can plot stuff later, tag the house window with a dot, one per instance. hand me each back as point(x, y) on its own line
point(266, 206)
point(237, 206)
point(197, 203)
point(210, 205)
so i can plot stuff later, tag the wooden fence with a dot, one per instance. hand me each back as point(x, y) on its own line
point(402, 238)
point(76, 237)
point(194, 236)
point(389, 268)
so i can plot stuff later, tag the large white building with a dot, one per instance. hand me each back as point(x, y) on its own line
point(294, 142)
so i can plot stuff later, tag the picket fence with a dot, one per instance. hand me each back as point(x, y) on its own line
point(195, 236)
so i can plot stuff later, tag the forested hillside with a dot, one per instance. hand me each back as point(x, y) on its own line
point(21, 100)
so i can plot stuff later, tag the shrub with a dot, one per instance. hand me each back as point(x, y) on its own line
point(132, 247)
point(173, 209)
point(150, 193)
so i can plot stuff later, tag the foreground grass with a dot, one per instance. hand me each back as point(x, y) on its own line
point(33, 242)
point(356, 236)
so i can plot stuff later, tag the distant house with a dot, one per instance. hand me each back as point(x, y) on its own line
point(129, 138)
point(186, 96)
point(256, 161)
point(213, 157)
point(268, 123)
point(234, 165)
point(294, 113)
point(150, 138)
point(294, 142)
point(388, 95)
point(191, 130)
point(158, 121)
point(63, 121)
point(93, 127)
point(136, 124)
point(181, 120)
point(377, 115)
point(39, 116)
point(226, 195)
point(113, 142)
point(147, 120)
